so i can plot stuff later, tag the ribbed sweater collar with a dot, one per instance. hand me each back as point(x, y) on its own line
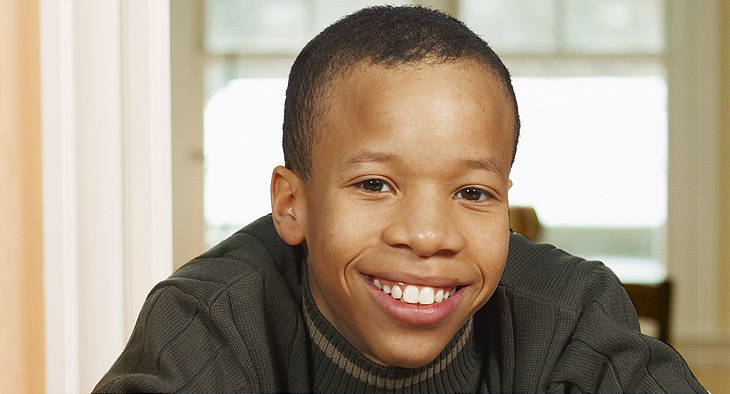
point(338, 367)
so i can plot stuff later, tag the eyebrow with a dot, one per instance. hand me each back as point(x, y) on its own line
point(368, 157)
point(363, 157)
point(483, 164)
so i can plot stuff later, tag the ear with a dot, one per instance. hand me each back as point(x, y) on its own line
point(288, 201)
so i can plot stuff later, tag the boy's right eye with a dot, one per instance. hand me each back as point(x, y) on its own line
point(374, 186)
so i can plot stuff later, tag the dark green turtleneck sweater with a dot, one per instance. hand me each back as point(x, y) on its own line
point(237, 319)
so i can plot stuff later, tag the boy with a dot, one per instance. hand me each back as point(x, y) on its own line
point(387, 263)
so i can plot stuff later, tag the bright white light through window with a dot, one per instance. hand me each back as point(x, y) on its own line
point(242, 143)
point(593, 151)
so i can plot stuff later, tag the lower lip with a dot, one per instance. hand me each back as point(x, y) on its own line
point(414, 313)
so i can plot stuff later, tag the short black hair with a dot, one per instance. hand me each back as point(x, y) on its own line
point(384, 35)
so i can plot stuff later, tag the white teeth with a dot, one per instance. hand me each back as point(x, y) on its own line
point(426, 297)
point(411, 294)
point(439, 296)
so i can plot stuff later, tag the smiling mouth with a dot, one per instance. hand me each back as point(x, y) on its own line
point(411, 293)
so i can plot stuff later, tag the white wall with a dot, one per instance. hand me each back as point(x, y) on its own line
point(693, 222)
point(106, 177)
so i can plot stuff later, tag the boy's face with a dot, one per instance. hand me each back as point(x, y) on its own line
point(409, 190)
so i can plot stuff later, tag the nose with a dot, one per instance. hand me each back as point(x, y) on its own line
point(425, 226)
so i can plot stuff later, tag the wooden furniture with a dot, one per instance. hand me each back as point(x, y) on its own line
point(653, 301)
point(524, 221)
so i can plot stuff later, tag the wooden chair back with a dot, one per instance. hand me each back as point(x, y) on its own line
point(524, 221)
point(653, 301)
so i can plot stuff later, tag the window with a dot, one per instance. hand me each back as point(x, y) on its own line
point(590, 79)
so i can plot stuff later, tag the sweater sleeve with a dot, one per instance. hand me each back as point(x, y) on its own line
point(607, 353)
point(176, 345)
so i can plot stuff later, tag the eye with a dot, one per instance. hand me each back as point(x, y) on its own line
point(473, 194)
point(374, 186)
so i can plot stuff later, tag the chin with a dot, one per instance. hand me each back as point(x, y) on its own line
point(409, 359)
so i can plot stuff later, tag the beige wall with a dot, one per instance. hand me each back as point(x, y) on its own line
point(187, 137)
point(725, 165)
point(21, 283)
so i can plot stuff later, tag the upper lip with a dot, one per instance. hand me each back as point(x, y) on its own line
point(417, 279)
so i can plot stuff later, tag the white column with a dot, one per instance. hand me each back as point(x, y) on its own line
point(694, 205)
point(107, 184)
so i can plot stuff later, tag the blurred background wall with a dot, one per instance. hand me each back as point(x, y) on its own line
point(724, 305)
point(21, 229)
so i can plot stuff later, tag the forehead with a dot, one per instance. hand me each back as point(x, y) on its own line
point(348, 81)
point(455, 95)
point(342, 79)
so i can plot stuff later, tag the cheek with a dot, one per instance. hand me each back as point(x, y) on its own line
point(335, 238)
point(342, 223)
point(491, 268)
point(492, 254)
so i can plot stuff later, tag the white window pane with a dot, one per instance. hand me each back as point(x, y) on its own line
point(614, 26)
point(632, 269)
point(511, 26)
point(520, 66)
point(328, 11)
point(258, 26)
point(242, 146)
point(593, 151)
point(220, 71)
point(273, 26)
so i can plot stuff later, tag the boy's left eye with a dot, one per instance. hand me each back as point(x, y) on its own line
point(472, 194)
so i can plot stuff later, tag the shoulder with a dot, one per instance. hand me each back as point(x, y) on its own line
point(571, 319)
point(253, 256)
point(225, 322)
point(547, 273)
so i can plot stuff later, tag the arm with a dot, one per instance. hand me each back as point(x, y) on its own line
point(607, 353)
point(176, 345)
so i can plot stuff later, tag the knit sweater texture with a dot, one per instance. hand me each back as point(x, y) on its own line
point(240, 318)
